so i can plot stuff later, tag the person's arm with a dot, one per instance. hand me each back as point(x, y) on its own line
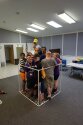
point(25, 71)
point(60, 61)
point(55, 62)
point(25, 75)
point(42, 63)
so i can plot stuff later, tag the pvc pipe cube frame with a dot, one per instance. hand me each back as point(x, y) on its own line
point(38, 86)
point(0, 102)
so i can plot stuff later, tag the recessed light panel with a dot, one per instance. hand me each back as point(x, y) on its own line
point(21, 31)
point(31, 29)
point(38, 26)
point(54, 24)
point(66, 18)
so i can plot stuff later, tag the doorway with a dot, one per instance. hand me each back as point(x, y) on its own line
point(19, 51)
point(9, 54)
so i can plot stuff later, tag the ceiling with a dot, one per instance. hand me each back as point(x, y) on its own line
point(21, 13)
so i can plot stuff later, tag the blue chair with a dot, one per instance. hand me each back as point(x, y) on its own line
point(64, 63)
point(80, 62)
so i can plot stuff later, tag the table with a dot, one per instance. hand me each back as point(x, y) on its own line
point(76, 68)
point(76, 65)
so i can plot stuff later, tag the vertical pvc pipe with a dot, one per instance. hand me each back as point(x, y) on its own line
point(38, 87)
point(41, 42)
point(19, 37)
point(60, 76)
point(19, 79)
point(76, 43)
point(51, 42)
point(62, 43)
point(0, 102)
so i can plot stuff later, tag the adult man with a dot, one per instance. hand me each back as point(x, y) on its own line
point(49, 63)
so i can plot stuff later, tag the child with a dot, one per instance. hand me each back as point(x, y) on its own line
point(29, 74)
point(22, 71)
point(41, 87)
point(56, 71)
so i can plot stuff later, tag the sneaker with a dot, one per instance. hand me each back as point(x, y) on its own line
point(49, 97)
point(2, 92)
point(41, 102)
point(54, 91)
point(23, 92)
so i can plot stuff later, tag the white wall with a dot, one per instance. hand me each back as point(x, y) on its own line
point(68, 58)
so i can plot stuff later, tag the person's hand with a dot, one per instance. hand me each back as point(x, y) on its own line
point(25, 79)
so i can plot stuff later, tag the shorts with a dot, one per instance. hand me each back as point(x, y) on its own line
point(22, 75)
point(49, 81)
point(56, 77)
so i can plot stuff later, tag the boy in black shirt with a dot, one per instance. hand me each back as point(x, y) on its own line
point(38, 66)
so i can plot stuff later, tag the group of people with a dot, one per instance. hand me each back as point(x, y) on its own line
point(39, 72)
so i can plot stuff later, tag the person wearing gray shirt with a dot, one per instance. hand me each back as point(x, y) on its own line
point(48, 64)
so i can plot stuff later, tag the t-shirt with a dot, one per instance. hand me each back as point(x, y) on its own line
point(29, 65)
point(43, 56)
point(29, 68)
point(22, 64)
point(38, 66)
point(56, 69)
point(49, 64)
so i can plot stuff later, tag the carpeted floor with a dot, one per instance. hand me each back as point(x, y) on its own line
point(64, 109)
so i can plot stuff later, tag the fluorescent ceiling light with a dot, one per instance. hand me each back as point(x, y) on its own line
point(31, 29)
point(66, 18)
point(38, 26)
point(21, 31)
point(54, 24)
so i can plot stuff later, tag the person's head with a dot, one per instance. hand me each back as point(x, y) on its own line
point(36, 50)
point(56, 55)
point(22, 55)
point(36, 57)
point(29, 53)
point(29, 57)
point(48, 54)
point(32, 56)
point(44, 50)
